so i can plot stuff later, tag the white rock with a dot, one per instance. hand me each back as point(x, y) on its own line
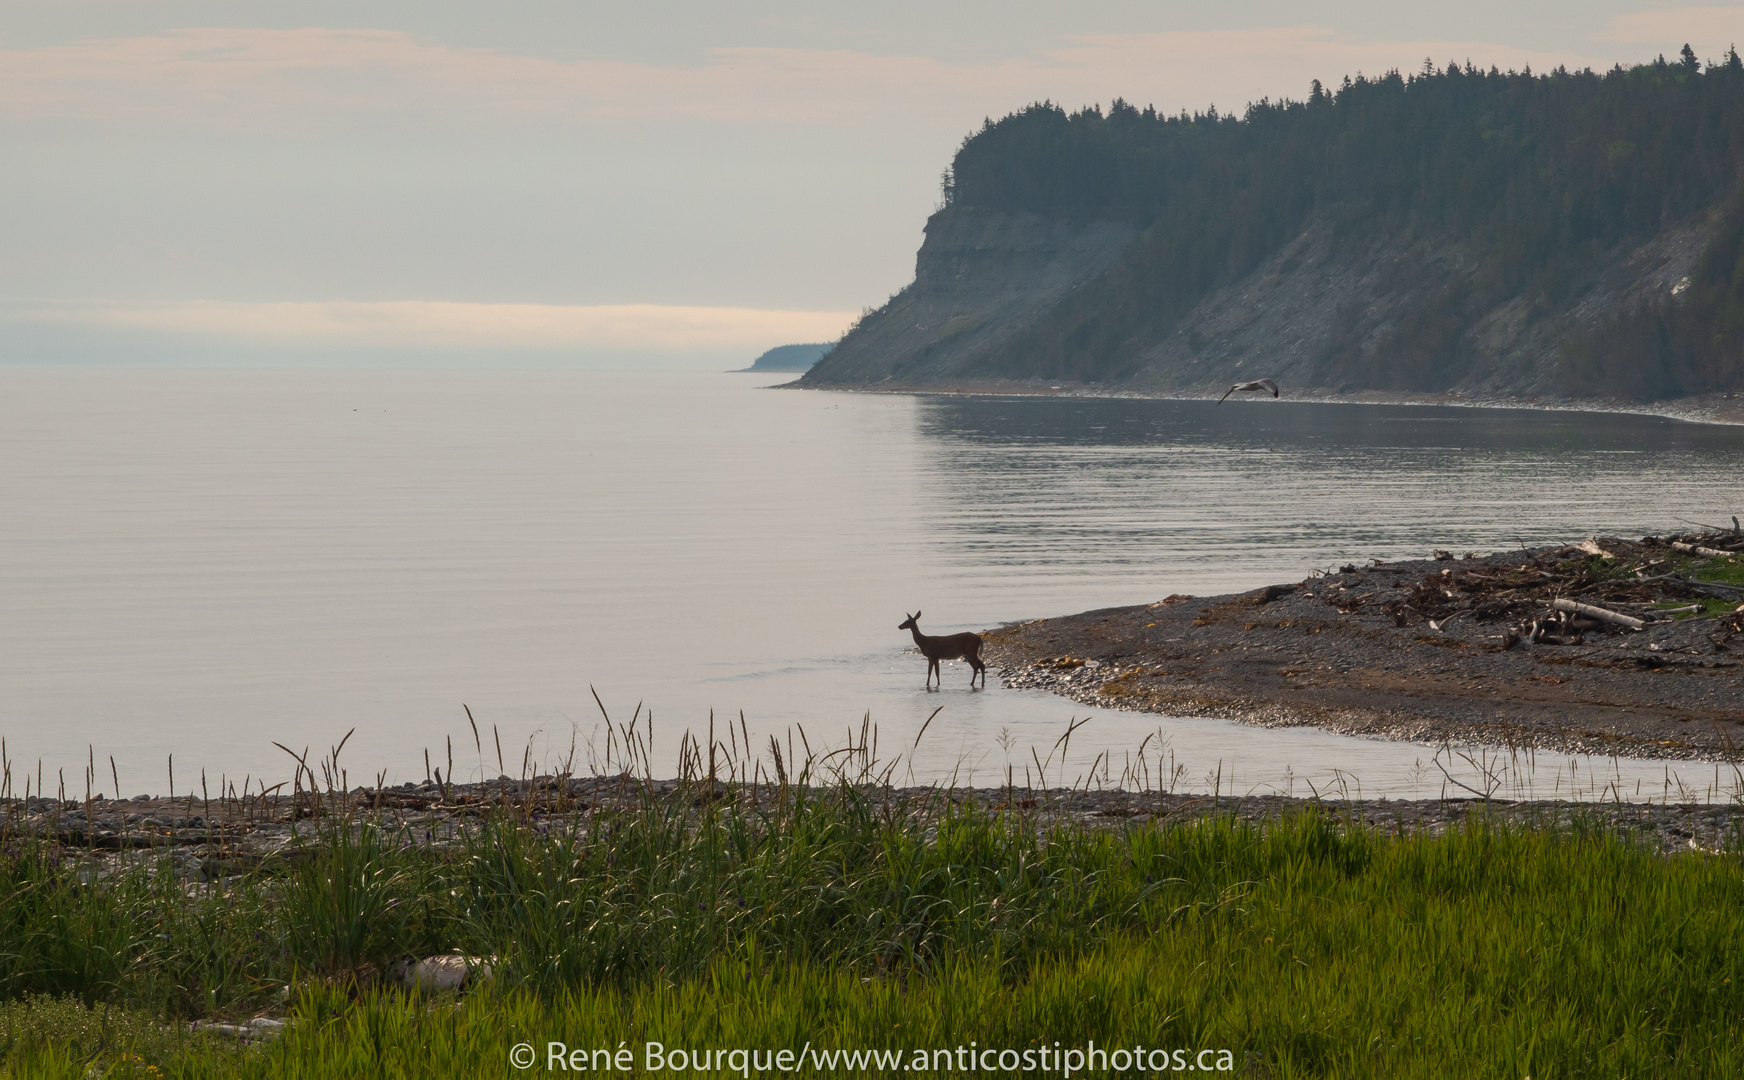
point(449, 972)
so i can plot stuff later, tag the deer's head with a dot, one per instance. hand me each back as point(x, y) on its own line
point(910, 622)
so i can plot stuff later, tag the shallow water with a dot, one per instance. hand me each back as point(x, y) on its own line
point(201, 563)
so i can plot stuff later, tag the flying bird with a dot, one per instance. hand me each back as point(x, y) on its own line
point(1259, 384)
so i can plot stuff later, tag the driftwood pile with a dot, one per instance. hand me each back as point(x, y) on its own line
point(1601, 586)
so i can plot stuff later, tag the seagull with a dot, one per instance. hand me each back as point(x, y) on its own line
point(1261, 384)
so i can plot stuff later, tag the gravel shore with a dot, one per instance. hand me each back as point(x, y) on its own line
point(1468, 650)
point(207, 843)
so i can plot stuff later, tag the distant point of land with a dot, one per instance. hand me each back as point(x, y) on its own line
point(790, 357)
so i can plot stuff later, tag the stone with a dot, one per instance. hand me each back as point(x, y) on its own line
point(450, 972)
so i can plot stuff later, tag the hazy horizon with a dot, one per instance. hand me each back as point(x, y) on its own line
point(262, 183)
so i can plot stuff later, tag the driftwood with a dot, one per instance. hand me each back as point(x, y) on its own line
point(1704, 552)
point(1714, 587)
point(1598, 613)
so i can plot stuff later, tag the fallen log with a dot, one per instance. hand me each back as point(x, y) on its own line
point(1598, 613)
point(1698, 586)
point(1704, 552)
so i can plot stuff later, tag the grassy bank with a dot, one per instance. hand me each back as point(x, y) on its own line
point(1306, 948)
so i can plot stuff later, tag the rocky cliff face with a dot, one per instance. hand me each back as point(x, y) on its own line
point(1395, 314)
point(1333, 311)
point(979, 278)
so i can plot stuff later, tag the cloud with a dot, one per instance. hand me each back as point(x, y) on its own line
point(462, 327)
point(245, 76)
point(1667, 23)
point(1709, 30)
point(236, 77)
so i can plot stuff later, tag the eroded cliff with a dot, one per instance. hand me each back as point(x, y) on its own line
point(979, 278)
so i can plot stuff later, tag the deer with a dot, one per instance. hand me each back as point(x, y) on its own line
point(947, 647)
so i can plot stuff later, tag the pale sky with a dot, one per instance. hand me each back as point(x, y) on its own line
point(656, 184)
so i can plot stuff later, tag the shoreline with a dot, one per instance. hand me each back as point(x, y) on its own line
point(1712, 409)
point(212, 841)
point(1436, 651)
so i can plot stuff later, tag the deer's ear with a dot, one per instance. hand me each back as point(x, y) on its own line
point(917, 614)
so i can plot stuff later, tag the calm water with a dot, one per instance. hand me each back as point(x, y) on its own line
point(202, 563)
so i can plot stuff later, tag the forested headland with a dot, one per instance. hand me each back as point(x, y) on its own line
point(789, 357)
point(1571, 233)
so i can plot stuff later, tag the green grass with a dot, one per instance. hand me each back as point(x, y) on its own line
point(1306, 948)
point(1724, 571)
point(1708, 605)
point(1720, 571)
point(1596, 568)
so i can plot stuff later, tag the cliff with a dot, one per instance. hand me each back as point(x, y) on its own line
point(1458, 232)
point(980, 278)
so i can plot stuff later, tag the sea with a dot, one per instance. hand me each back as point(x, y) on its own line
point(205, 573)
